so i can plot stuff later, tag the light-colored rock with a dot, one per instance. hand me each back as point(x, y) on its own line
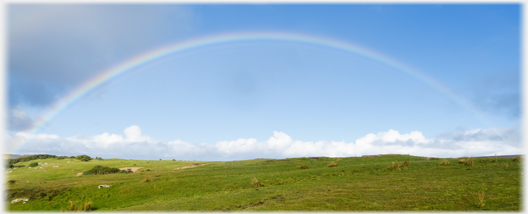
point(104, 185)
point(20, 199)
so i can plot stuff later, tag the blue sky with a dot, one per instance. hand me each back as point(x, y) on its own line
point(279, 99)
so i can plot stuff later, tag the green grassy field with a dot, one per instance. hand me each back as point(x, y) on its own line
point(356, 184)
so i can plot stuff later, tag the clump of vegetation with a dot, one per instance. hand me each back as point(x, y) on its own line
point(256, 183)
point(517, 159)
point(395, 165)
point(333, 164)
point(98, 158)
point(11, 181)
point(62, 157)
point(462, 161)
point(445, 162)
point(147, 170)
point(101, 170)
point(433, 158)
point(126, 171)
point(34, 164)
point(75, 207)
point(480, 202)
point(303, 166)
point(30, 157)
point(469, 162)
point(85, 158)
point(173, 160)
point(495, 160)
point(147, 179)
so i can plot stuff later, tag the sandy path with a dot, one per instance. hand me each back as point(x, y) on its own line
point(185, 167)
point(133, 169)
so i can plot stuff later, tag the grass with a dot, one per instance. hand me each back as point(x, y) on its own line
point(75, 207)
point(469, 162)
point(395, 165)
point(333, 164)
point(445, 162)
point(303, 166)
point(358, 184)
point(480, 196)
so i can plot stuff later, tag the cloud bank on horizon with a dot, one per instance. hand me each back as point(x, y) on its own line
point(136, 145)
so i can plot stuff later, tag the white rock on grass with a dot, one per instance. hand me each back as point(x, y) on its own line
point(104, 185)
point(20, 199)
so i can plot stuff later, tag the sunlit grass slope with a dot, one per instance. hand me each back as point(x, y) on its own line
point(297, 184)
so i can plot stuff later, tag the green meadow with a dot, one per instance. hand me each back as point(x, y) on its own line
point(386, 183)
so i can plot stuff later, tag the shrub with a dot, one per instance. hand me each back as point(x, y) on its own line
point(173, 160)
point(303, 166)
point(517, 159)
point(147, 170)
point(445, 162)
point(461, 161)
point(480, 202)
point(147, 179)
point(256, 183)
point(100, 170)
point(34, 164)
point(30, 157)
point(11, 181)
point(395, 165)
point(19, 166)
point(469, 162)
point(85, 207)
point(333, 164)
point(72, 156)
point(83, 157)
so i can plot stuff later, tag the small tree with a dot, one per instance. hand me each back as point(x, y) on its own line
point(83, 157)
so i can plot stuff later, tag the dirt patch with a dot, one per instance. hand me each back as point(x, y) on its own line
point(79, 174)
point(133, 169)
point(185, 167)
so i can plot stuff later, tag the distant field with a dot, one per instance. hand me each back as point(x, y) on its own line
point(297, 184)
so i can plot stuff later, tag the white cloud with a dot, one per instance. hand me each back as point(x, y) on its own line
point(136, 145)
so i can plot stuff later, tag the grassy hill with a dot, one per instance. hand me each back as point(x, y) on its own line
point(297, 184)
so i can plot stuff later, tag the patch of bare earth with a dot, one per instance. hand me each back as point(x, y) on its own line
point(79, 174)
point(185, 167)
point(133, 169)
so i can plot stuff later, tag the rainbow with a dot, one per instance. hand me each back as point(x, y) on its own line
point(144, 59)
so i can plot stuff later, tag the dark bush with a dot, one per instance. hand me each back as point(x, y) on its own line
point(11, 181)
point(62, 157)
point(101, 170)
point(18, 166)
point(34, 164)
point(83, 157)
point(72, 156)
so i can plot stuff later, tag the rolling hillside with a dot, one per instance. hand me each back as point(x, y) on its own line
point(389, 182)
